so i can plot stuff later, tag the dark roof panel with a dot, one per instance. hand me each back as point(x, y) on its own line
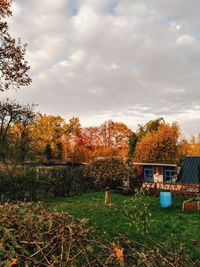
point(190, 170)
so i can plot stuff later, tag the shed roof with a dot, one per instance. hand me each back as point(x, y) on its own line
point(155, 164)
point(190, 170)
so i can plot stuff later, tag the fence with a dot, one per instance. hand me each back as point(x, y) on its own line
point(182, 190)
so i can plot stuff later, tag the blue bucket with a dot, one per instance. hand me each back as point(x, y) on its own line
point(165, 199)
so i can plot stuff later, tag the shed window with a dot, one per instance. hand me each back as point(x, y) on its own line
point(169, 175)
point(148, 173)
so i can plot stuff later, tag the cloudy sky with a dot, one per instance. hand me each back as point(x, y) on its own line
point(126, 60)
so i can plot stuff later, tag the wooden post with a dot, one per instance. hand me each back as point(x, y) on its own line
point(107, 196)
point(155, 189)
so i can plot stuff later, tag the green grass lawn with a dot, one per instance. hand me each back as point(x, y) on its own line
point(111, 221)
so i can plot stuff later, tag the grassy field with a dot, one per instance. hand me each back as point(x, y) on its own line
point(184, 226)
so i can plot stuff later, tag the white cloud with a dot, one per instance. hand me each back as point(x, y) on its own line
point(185, 40)
point(77, 58)
point(127, 60)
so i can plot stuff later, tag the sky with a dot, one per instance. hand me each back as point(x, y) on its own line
point(125, 60)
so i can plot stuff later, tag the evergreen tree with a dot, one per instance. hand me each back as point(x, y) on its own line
point(48, 152)
point(133, 139)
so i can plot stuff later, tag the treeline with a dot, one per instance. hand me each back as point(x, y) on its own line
point(27, 135)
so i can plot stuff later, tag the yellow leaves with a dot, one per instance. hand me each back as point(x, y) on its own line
point(191, 147)
point(47, 129)
point(159, 146)
point(118, 253)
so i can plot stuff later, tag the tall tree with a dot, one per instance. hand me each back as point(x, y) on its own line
point(150, 127)
point(73, 127)
point(48, 129)
point(133, 139)
point(114, 134)
point(13, 66)
point(22, 130)
point(111, 139)
point(74, 140)
point(92, 137)
point(159, 146)
point(190, 147)
point(15, 123)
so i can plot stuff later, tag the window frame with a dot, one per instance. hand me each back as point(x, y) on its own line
point(148, 177)
point(171, 175)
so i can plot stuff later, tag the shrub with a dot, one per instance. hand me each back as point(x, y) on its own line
point(37, 183)
point(109, 172)
point(64, 181)
point(137, 212)
point(21, 185)
point(54, 181)
point(80, 182)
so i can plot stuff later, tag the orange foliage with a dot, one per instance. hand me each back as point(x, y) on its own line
point(118, 253)
point(159, 146)
point(158, 141)
point(190, 148)
point(108, 140)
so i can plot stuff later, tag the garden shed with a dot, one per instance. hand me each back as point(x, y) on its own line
point(156, 172)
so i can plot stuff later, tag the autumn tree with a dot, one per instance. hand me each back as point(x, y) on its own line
point(190, 147)
point(150, 127)
point(120, 134)
point(66, 139)
point(16, 122)
point(194, 146)
point(110, 139)
point(114, 134)
point(92, 137)
point(94, 143)
point(160, 146)
point(13, 66)
point(73, 127)
point(48, 129)
point(22, 130)
point(76, 141)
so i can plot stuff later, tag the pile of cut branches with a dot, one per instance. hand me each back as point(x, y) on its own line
point(154, 254)
point(31, 236)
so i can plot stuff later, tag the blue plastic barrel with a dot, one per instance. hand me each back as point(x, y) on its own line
point(165, 199)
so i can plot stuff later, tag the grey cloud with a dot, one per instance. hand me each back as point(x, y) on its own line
point(126, 60)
